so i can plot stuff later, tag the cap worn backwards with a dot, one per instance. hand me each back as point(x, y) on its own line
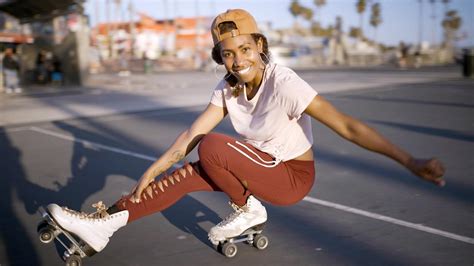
point(244, 22)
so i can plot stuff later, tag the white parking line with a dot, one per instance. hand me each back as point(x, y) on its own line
point(388, 219)
point(419, 227)
point(92, 145)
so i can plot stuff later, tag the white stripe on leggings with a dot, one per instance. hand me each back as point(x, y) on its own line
point(271, 163)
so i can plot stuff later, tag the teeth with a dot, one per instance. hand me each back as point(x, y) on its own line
point(243, 71)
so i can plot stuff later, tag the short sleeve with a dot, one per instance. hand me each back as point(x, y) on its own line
point(294, 93)
point(217, 97)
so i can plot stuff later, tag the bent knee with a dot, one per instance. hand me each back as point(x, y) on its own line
point(212, 145)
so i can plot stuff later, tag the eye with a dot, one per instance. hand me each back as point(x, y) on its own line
point(245, 49)
point(226, 54)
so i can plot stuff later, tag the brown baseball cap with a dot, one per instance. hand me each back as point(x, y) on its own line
point(243, 20)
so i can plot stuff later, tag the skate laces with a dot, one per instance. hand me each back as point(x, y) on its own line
point(232, 217)
point(100, 213)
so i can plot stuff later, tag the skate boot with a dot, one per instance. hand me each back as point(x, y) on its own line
point(250, 215)
point(95, 229)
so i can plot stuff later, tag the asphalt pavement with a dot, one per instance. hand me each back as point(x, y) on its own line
point(77, 145)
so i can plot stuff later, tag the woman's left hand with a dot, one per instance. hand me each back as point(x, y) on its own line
point(431, 170)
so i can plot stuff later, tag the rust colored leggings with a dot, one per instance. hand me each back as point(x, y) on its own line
point(222, 168)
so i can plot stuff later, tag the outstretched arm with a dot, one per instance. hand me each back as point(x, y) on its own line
point(359, 133)
point(181, 147)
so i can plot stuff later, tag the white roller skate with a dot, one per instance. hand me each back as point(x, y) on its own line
point(93, 230)
point(246, 223)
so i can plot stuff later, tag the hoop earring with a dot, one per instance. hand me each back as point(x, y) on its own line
point(263, 61)
point(227, 75)
point(266, 57)
point(215, 73)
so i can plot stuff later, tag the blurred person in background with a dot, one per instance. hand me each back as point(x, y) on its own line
point(56, 72)
point(11, 67)
point(402, 55)
point(42, 67)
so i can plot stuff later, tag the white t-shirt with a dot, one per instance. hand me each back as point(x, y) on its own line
point(273, 120)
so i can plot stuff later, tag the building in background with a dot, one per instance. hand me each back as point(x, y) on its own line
point(184, 40)
point(47, 35)
point(12, 32)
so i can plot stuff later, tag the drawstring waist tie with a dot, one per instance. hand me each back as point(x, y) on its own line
point(264, 163)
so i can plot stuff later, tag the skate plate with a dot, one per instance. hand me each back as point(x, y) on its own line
point(49, 230)
point(253, 236)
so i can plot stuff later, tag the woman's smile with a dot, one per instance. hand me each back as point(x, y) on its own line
point(243, 71)
point(241, 57)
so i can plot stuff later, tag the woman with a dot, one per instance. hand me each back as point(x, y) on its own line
point(271, 108)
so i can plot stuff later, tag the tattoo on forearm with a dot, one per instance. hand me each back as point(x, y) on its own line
point(175, 157)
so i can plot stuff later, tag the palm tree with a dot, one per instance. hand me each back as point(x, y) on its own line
point(375, 19)
point(307, 13)
point(360, 6)
point(298, 10)
point(295, 10)
point(319, 4)
point(451, 23)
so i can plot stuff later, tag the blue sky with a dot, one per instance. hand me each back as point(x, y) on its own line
point(400, 18)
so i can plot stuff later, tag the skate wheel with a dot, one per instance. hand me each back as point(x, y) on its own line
point(46, 235)
point(260, 242)
point(45, 232)
point(73, 260)
point(229, 250)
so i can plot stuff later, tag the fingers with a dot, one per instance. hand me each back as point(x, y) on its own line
point(436, 170)
point(136, 196)
point(440, 182)
point(133, 192)
point(431, 170)
point(137, 192)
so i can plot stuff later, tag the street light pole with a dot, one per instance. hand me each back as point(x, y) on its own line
point(131, 29)
point(109, 41)
point(433, 23)
point(197, 59)
point(420, 26)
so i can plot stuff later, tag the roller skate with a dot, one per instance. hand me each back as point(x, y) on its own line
point(81, 234)
point(245, 224)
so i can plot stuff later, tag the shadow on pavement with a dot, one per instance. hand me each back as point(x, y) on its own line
point(401, 100)
point(341, 242)
point(15, 239)
point(188, 213)
point(440, 132)
point(432, 93)
point(458, 192)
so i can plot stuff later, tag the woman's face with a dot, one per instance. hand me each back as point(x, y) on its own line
point(241, 57)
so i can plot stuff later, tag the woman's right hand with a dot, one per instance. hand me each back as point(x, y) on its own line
point(139, 188)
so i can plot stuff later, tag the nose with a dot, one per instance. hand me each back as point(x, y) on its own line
point(238, 60)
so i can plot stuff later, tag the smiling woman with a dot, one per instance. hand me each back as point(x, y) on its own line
point(249, 45)
point(271, 108)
